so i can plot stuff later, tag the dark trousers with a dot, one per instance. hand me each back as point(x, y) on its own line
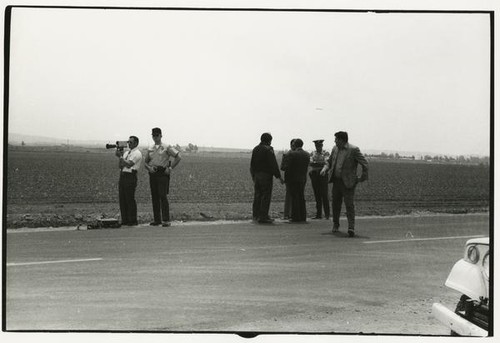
point(299, 213)
point(263, 188)
point(341, 192)
point(320, 188)
point(287, 211)
point(126, 194)
point(159, 183)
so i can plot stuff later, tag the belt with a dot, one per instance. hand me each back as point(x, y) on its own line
point(160, 169)
point(132, 172)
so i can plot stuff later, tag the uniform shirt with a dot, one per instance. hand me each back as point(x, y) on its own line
point(318, 159)
point(135, 156)
point(159, 155)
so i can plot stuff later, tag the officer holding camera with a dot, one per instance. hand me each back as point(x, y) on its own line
point(159, 167)
point(129, 163)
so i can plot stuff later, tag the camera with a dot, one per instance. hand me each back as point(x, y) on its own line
point(120, 145)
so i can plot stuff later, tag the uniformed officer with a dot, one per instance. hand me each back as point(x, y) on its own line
point(160, 169)
point(319, 182)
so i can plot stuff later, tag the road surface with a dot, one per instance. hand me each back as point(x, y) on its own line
point(238, 276)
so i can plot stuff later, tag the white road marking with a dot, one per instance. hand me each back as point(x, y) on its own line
point(48, 262)
point(421, 239)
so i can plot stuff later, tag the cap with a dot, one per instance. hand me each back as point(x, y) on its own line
point(318, 141)
point(156, 131)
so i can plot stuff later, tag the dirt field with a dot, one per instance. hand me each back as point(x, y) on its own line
point(48, 187)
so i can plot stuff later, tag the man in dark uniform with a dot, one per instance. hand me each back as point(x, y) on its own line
point(263, 166)
point(319, 182)
point(296, 170)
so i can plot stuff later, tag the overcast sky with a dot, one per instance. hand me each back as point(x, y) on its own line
point(398, 81)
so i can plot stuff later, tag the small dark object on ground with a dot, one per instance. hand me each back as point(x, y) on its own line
point(108, 223)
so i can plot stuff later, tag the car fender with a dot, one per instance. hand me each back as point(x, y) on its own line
point(468, 279)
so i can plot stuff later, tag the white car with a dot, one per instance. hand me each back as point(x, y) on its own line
point(471, 277)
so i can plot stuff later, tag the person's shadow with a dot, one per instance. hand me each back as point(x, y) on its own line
point(343, 234)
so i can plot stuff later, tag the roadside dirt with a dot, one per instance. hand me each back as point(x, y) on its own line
point(75, 214)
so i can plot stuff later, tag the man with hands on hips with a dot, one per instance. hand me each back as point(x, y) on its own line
point(159, 166)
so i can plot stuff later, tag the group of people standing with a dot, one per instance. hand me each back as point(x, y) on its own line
point(338, 167)
point(159, 165)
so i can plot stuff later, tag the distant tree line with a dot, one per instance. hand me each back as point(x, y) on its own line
point(462, 159)
point(189, 148)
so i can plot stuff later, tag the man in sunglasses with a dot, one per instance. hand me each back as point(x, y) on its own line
point(129, 163)
point(159, 166)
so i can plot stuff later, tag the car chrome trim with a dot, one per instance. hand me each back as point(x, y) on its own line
point(456, 323)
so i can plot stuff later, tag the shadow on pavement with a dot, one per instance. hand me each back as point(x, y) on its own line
point(342, 234)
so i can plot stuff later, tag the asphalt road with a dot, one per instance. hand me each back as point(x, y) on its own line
point(238, 277)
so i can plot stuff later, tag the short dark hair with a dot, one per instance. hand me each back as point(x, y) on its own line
point(135, 139)
point(298, 143)
point(266, 137)
point(342, 135)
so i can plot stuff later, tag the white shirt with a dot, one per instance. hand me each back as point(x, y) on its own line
point(135, 156)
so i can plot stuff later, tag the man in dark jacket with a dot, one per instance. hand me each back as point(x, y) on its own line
point(342, 169)
point(296, 178)
point(263, 166)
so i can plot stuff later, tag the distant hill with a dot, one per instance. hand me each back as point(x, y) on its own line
point(17, 139)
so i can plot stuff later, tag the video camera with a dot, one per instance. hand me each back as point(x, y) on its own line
point(120, 145)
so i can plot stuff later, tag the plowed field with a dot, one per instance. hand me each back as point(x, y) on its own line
point(53, 188)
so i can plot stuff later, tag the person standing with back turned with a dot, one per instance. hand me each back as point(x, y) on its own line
point(263, 166)
point(160, 167)
point(298, 163)
point(342, 169)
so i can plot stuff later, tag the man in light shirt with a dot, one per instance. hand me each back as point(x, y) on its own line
point(160, 166)
point(319, 182)
point(129, 163)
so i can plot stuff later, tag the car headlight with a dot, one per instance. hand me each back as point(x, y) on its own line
point(472, 254)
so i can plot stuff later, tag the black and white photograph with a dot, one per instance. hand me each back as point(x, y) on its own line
point(248, 170)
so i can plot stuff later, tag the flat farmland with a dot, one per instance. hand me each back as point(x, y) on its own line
point(53, 187)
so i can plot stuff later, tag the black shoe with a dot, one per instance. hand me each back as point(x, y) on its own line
point(266, 221)
point(350, 232)
point(317, 217)
point(335, 228)
point(154, 223)
point(165, 224)
point(131, 224)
